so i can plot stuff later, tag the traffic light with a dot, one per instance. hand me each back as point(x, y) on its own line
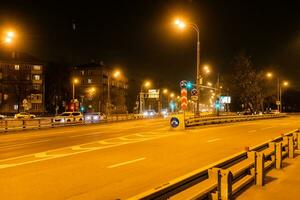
point(82, 108)
point(217, 104)
point(189, 85)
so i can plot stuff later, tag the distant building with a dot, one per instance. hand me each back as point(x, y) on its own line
point(98, 90)
point(21, 83)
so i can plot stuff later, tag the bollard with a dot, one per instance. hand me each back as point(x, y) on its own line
point(278, 155)
point(291, 146)
point(6, 125)
point(24, 124)
point(259, 167)
point(226, 184)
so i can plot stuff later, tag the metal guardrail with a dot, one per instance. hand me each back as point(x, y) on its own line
point(49, 122)
point(227, 178)
point(199, 121)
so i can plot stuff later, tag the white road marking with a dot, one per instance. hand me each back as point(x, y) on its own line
point(24, 144)
point(126, 163)
point(267, 128)
point(88, 134)
point(213, 140)
point(252, 131)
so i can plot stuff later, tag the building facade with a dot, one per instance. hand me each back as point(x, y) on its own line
point(22, 84)
point(98, 90)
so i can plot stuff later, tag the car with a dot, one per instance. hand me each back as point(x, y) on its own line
point(94, 117)
point(24, 115)
point(164, 112)
point(246, 112)
point(69, 117)
point(149, 113)
point(2, 116)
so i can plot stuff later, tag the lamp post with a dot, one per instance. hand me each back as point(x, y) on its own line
point(75, 81)
point(181, 25)
point(279, 90)
point(146, 84)
point(116, 74)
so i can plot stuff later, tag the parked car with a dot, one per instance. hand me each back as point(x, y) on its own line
point(245, 112)
point(69, 117)
point(149, 113)
point(94, 117)
point(2, 116)
point(24, 115)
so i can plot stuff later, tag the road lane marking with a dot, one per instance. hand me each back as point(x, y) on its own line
point(125, 163)
point(87, 134)
point(267, 128)
point(252, 131)
point(23, 144)
point(213, 140)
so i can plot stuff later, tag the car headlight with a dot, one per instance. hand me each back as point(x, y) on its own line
point(88, 118)
point(62, 120)
point(146, 113)
point(95, 117)
point(151, 114)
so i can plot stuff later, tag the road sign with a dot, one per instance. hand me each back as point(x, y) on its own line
point(194, 98)
point(174, 122)
point(183, 83)
point(194, 92)
point(183, 99)
point(278, 103)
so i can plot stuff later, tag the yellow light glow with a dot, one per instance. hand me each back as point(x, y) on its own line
point(180, 24)
point(178, 97)
point(285, 83)
point(172, 95)
point(8, 40)
point(165, 91)
point(209, 83)
point(10, 34)
point(92, 89)
point(269, 75)
point(147, 84)
point(117, 73)
point(75, 80)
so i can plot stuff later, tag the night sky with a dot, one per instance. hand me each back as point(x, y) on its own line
point(139, 36)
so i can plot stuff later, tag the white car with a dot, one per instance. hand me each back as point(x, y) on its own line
point(69, 117)
point(2, 116)
point(24, 115)
point(94, 117)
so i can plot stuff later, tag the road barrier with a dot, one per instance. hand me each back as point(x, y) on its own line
point(200, 121)
point(48, 122)
point(229, 177)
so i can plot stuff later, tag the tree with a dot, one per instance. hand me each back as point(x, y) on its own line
point(245, 85)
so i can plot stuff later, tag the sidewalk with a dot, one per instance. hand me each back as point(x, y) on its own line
point(281, 184)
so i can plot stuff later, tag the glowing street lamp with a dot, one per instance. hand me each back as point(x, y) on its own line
point(269, 75)
point(165, 91)
point(9, 36)
point(209, 83)
point(181, 25)
point(206, 69)
point(172, 95)
point(116, 74)
point(74, 81)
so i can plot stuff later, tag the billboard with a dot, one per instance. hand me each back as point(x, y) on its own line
point(225, 99)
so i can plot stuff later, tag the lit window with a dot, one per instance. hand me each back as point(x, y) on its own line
point(36, 67)
point(36, 86)
point(89, 80)
point(17, 67)
point(5, 96)
point(82, 72)
point(36, 77)
point(16, 107)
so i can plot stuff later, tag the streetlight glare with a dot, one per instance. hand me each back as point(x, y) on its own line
point(75, 80)
point(147, 84)
point(269, 75)
point(10, 34)
point(8, 40)
point(209, 83)
point(117, 74)
point(165, 91)
point(206, 69)
point(172, 95)
point(285, 83)
point(180, 24)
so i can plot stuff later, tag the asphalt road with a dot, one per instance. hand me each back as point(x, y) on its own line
point(118, 160)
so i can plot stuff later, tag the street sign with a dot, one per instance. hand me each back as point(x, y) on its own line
point(183, 99)
point(194, 98)
point(183, 83)
point(174, 122)
point(194, 92)
point(153, 93)
point(278, 103)
point(225, 99)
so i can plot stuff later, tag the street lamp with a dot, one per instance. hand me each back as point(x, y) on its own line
point(181, 25)
point(74, 81)
point(279, 89)
point(116, 74)
point(147, 85)
point(9, 36)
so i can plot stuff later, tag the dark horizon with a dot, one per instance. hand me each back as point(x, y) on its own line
point(140, 39)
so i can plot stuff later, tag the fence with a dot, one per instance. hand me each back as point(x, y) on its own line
point(226, 179)
point(199, 121)
point(48, 122)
